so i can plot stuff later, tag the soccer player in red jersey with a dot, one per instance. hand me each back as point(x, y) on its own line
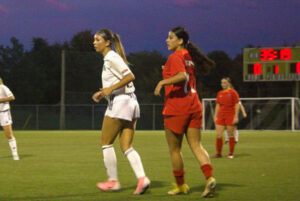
point(183, 110)
point(226, 115)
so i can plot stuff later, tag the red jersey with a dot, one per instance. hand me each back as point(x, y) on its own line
point(227, 100)
point(181, 98)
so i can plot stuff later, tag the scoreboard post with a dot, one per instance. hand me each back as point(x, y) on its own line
point(271, 64)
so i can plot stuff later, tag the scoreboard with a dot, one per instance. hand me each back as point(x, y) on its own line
point(271, 64)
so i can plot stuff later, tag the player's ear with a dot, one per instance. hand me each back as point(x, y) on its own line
point(107, 43)
point(180, 41)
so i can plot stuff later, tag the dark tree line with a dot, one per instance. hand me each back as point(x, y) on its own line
point(34, 75)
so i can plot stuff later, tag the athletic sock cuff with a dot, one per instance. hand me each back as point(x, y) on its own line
point(128, 151)
point(178, 173)
point(107, 146)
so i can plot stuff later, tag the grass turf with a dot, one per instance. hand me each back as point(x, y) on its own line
point(66, 165)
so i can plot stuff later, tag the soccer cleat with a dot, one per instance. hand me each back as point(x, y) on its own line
point(217, 156)
point(226, 141)
point(109, 185)
point(184, 188)
point(209, 188)
point(230, 156)
point(16, 157)
point(142, 185)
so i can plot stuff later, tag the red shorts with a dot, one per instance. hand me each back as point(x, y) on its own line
point(179, 123)
point(225, 119)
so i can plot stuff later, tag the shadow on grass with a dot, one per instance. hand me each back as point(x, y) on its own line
point(21, 156)
point(241, 155)
point(219, 187)
point(45, 198)
point(154, 184)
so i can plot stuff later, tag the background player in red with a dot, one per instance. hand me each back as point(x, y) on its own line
point(236, 132)
point(226, 115)
point(183, 110)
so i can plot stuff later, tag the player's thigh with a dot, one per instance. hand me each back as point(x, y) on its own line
point(174, 140)
point(127, 134)
point(193, 136)
point(110, 129)
point(219, 130)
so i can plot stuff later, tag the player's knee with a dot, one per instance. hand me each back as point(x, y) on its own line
point(126, 149)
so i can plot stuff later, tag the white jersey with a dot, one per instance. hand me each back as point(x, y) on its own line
point(4, 93)
point(114, 69)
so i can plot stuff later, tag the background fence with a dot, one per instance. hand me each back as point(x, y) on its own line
point(263, 113)
point(90, 117)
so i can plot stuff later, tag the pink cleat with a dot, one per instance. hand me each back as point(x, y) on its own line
point(142, 186)
point(109, 185)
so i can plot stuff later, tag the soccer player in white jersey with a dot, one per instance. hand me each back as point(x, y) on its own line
point(5, 118)
point(122, 111)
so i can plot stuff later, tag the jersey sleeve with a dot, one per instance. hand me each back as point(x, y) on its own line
point(218, 100)
point(177, 64)
point(236, 98)
point(7, 91)
point(118, 67)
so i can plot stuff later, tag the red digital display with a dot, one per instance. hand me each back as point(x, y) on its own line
point(285, 54)
point(276, 69)
point(272, 54)
point(298, 68)
point(257, 69)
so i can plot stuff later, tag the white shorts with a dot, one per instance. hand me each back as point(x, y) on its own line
point(123, 106)
point(5, 118)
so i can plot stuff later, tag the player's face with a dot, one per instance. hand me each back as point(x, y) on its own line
point(100, 44)
point(173, 42)
point(225, 84)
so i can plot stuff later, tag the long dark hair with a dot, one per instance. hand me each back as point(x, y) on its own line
point(115, 40)
point(203, 63)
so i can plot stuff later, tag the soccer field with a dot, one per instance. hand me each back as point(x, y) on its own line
point(66, 165)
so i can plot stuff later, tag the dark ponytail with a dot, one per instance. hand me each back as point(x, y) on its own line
point(202, 62)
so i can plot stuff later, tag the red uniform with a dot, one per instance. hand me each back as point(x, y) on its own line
point(227, 100)
point(182, 108)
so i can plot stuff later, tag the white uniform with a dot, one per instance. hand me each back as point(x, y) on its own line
point(122, 104)
point(5, 116)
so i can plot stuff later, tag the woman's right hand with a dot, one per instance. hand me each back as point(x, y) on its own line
point(158, 88)
point(97, 96)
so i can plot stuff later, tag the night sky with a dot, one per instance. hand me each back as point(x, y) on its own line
point(227, 25)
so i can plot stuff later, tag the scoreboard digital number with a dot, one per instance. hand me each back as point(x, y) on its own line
point(271, 64)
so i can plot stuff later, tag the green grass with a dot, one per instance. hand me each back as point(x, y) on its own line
point(66, 165)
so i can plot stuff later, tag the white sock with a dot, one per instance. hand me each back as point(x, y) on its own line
point(110, 161)
point(236, 135)
point(13, 146)
point(226, 136)
point(135, 162)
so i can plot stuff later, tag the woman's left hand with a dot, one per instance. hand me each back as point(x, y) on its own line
point(106, 92)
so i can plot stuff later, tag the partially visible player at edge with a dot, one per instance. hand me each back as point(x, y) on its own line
point(122, 111)
point(226, 116)
point(183, 110)
point(5, 118)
